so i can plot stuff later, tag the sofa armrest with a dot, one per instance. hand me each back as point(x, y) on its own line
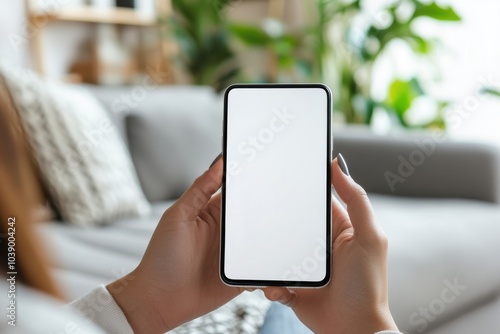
point(420, 165)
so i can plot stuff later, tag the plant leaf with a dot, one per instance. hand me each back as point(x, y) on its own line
point(491, 91)
point(419, 44)
point(433, 10)
point(416, 87)
point(401, 94)
point(250, 34)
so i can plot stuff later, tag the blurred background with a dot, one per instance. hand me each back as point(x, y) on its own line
point(416, 90)
point(390, 64)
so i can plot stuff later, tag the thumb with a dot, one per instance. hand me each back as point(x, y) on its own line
point(359, 208)
point(282, 295)
point(199, 193)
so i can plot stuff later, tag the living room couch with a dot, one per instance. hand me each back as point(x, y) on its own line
point(437, 199)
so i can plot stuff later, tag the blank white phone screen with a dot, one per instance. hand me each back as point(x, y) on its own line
point(276, 184)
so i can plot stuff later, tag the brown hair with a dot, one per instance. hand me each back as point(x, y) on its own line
point(19, 193)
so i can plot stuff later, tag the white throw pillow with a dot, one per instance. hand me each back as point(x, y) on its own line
point(83, 160)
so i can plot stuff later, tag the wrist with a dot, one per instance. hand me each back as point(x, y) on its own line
point(376, 321)
point(366, 322)
point(140, 314)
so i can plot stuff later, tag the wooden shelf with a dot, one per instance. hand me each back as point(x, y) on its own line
point(121, 16)
point(88, 67)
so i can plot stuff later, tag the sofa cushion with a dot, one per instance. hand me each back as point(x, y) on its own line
point(82, 159)
point(173, 135)
point(420, 164)
point(443, 257)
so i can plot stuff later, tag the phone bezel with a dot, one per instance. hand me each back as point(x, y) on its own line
point(264, 283)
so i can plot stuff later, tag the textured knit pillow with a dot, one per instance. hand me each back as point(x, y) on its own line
point(243, 315)
point(82, 158)
point(43, 208)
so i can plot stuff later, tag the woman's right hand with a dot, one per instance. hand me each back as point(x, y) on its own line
point(356, 299)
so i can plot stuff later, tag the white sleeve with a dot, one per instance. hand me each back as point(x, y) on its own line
point(389, 332)
point(99, 307)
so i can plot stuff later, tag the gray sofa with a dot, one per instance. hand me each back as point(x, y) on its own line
point(439, 202)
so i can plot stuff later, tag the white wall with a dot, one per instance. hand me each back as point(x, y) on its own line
point(12, 20)
point(473, 61)
point(468, 59)
point(60, 40)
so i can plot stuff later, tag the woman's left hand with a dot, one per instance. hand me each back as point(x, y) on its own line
point(178, 277)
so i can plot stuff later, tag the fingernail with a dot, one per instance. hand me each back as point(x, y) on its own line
point(215, 160)
point(284, 301)
point(343, 165)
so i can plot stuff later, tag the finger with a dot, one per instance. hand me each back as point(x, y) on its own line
point(197, 196)
point(358, 205)
point(282, 295)
point(340, 218)
point(213, 207)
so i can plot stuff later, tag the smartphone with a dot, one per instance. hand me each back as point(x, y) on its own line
point(276, 191)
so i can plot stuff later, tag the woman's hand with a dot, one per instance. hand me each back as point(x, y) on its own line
point(178, 277)
point(356, 299)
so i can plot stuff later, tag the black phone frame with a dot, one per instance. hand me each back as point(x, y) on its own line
point(280, 283)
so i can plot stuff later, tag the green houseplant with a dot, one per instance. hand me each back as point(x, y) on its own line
point(202, 34)
point(337, 50)
point(333, 47)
